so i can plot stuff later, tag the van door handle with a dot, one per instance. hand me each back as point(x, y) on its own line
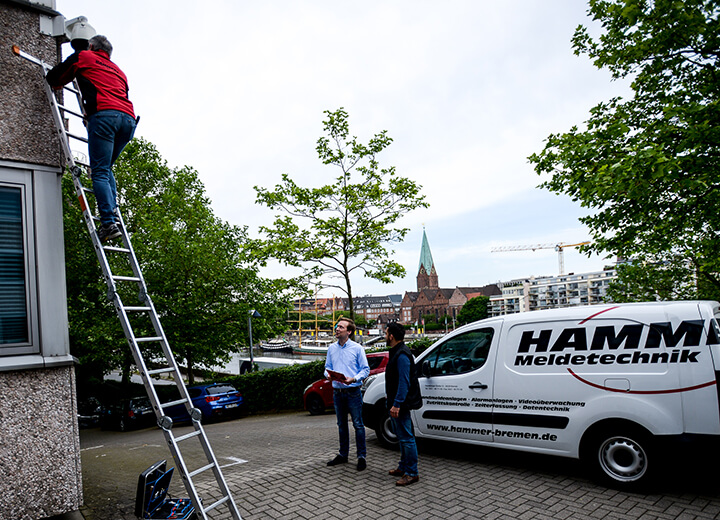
point(478, 385)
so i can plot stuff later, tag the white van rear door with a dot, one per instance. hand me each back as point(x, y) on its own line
point(458, 392)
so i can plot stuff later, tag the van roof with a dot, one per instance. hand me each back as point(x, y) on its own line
point(610, 310)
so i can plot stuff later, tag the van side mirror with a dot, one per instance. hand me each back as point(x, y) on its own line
point(425, 369)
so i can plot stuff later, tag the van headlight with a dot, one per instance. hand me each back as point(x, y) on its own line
point(367, 382)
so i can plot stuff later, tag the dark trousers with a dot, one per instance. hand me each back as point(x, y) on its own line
point(349, 401)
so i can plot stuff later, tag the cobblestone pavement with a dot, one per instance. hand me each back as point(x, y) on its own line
point(275, 467)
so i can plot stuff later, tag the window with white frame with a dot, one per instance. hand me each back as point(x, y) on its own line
point(18, 323)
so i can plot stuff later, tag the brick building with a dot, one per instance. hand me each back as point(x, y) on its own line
point(430, 298)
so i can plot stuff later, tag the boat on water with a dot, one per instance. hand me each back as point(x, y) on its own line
point(314, 346)
point(265, 363)
point(276, 345)
point(320, 346)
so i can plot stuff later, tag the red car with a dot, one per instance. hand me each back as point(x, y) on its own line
point(319, 395)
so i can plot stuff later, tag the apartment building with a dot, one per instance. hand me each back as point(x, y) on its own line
point(552, 292)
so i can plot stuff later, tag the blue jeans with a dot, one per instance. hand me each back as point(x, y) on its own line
point(108, 133)
point(408, 450)
point(350, 401)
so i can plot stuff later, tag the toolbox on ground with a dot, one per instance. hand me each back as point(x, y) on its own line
point(152, 501)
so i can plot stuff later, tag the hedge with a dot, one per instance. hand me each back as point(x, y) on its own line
point(264, 391)
point(278, 388)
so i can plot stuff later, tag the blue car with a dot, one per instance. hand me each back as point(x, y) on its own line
point(214, 401)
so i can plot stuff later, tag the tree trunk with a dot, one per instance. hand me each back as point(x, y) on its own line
point(126, 365)
point(190, 375)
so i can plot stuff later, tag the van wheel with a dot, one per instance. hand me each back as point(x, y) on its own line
point(384, 431)
point(623, 458)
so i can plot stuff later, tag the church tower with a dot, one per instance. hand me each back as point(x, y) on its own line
point(427, 277)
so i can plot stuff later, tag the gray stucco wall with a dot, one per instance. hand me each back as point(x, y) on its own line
point(39, 444)
point(27, 131)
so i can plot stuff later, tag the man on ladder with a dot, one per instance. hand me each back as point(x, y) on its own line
point(110, 117)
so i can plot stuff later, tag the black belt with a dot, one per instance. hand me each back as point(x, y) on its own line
point(350, 389)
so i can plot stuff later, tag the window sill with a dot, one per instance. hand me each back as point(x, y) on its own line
point(33, 362)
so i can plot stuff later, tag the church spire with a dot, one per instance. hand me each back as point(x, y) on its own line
point(427, 276)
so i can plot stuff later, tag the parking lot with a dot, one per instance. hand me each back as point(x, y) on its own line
point(275, 467)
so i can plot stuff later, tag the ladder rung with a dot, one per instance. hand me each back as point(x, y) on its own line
point(200, 470)
point(116, 249)
point(71, 89)
point(148, 339)
point(126, 278)
point(79, 138)
point(160, 371)
point(187, 436)
point(173, 403)
point(69, 111)
point(137, 309)
point(87, 190)
point(218, 503)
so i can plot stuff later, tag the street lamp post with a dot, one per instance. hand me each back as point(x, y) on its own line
point(252, 314)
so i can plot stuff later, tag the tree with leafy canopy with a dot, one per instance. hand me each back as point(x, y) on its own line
point(474, 309)
point(202, 280)
point(650, 165)
point(344, 227)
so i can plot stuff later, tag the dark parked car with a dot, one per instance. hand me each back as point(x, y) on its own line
point(214, 401)
point(89, 411)
point(127, 414)
point(319, 396)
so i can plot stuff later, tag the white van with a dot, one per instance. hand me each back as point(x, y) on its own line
point(609, 384)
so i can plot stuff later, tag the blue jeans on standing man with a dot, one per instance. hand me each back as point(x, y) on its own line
point(350, 401)
point(108, 133)
point(408, 449)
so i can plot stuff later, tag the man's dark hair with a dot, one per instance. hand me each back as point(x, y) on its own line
point(350, 324)
point(397, 331)
point(101, 43)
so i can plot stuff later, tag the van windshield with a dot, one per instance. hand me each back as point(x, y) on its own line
point(463, 353)
point(716, 328)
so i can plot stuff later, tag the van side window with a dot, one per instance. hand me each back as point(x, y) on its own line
point(461, 354)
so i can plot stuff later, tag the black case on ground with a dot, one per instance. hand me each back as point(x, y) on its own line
point(151, 500)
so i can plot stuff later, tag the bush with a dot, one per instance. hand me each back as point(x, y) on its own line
point(419, 346)
point(277, 388)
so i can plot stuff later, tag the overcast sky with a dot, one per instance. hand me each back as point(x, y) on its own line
point(466, 89)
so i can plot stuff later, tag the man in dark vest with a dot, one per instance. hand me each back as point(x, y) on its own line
point(403, 394)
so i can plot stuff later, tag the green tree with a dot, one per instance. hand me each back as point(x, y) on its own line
point(648, 165)
point(96, 337)
point(474, 309)
point(345, 227)
point(201, 278)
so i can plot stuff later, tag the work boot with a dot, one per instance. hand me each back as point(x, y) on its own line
point(108, 232)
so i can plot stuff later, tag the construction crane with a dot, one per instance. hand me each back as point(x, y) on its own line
point(559, 247)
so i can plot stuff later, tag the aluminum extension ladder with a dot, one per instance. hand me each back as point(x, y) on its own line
point(150, 332)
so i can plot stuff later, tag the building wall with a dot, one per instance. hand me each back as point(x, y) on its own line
point(27, 132)
point(39, 442)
